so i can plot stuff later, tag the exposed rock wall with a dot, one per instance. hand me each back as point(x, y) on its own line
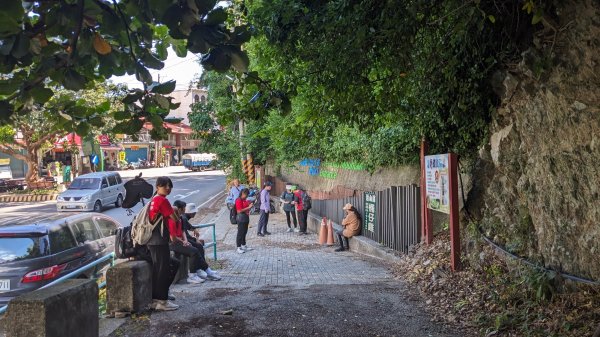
point(537, 184)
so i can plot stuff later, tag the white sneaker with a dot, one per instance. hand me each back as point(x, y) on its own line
point(201, 274)
point(193, 278)
point(153, 304)
point(240, 250)
point(165, 306)
point(247, 249)
point(289, 230)
point(214, 276)
point(296, 230)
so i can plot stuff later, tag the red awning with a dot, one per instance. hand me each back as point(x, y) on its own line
point(70, 139)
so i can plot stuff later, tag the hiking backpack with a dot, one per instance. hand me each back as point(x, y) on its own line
point(124, 246)
point(306, 201)
point(233, 215)
point(142, 226)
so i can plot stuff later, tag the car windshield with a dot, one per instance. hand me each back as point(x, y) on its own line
point(85, 184)
point(16, 249)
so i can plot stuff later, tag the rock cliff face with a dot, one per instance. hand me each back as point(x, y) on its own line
point(537, 183)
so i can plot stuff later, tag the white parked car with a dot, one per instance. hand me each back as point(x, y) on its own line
point(91, 192)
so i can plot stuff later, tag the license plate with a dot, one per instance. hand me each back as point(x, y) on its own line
point(4, 285)
point(71, 206)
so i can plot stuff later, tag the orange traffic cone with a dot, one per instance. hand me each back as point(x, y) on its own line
point(323, 231)
point(330, 233)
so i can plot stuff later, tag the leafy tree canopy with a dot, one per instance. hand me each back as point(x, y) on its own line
point(71, 44)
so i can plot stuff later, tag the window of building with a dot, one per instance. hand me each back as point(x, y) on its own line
point(203, 99)
point(196, 98)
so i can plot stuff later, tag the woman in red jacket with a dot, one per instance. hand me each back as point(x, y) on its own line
point(164, 268)
point(242, 206)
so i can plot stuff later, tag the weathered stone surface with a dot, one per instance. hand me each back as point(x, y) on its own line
point(128, 287)
point(64, 310)
point(538, 181)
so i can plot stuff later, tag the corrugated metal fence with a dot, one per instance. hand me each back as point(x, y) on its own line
point(398, 220)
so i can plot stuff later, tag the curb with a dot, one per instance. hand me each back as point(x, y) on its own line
point(27, 197)
point(359, 244)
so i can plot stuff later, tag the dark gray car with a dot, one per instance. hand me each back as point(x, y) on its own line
point(34, 255)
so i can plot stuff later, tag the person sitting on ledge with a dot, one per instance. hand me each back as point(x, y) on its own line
point(351, 225)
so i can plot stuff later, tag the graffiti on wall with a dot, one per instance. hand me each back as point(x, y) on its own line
point(328, 170)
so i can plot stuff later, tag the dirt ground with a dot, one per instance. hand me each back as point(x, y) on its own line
point(318, 310)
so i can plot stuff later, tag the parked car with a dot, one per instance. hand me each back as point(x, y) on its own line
point(32, 256)
point(91, 192)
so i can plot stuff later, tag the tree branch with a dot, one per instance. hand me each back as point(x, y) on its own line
point(11, 151)
point(81, 5)
point(42, 140)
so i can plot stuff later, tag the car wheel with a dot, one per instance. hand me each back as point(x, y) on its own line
point(119, 201)
point(98, 206)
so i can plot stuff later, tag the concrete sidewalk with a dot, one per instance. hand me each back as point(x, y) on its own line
point(288, 286)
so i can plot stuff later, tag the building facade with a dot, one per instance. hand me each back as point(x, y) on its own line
point(186, 98)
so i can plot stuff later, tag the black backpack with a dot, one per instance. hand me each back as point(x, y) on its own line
point(124, 247)
point(306, 201)
point(233, 215)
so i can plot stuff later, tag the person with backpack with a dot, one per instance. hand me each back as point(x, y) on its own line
point(234, 193)
point(302, 214)
point(164, 268)
point(289, 201)
point(351, 224)
point(265, 208)
point(242, 206)
point(194, 248)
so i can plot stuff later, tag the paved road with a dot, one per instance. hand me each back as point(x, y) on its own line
point(289, 286)
point(196, 187)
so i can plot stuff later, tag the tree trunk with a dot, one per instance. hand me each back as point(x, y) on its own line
point(32, 165)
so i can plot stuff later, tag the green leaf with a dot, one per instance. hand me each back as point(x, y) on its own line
point(82, 129)
point(73, 80)
point(180, 49)
point(216, 16)
point(163, 88)
point(136, 95)
point(196, 41)
point(121, 115)
point(151, 61)
point(21, 46)
point(239, 60)
point(142, 74)
point(205, 5)
point(10, 17)
point(41, 94)
point(217, 60)
point(7, 87)
point(7, 45)
point(162, 101)
point(537, 17)
point(241, 35)
point(492, 18)
point(7, 110)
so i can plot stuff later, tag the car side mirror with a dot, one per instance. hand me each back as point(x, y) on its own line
point(104, 185)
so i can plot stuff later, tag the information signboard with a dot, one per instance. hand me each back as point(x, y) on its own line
point(370, 219)
point(436, 182)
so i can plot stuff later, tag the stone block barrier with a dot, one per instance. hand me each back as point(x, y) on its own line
point(27, 197)
point(128, 287)
point(68, 309)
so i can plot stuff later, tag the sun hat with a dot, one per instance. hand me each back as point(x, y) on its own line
point(347, 207)
point(191, 208)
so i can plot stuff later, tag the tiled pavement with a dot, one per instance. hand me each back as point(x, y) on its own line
point(287, 259)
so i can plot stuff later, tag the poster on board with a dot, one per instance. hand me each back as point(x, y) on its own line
point(436, 183)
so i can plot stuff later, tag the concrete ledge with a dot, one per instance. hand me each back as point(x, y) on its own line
point(358, 244)
point(27, 197)
point(68, 309)
point(128, 287)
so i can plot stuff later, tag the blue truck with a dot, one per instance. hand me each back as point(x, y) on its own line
point(199, 161)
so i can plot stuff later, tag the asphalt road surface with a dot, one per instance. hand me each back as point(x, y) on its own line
point(196, 187)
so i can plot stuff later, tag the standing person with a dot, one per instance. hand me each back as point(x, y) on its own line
point(67, 174)
point(351, 224)
point(265, 208)
point(300, 210)
point(243, 219)
point(289, 207)
point(199, 265)
point(234, 192)
point(164, 268)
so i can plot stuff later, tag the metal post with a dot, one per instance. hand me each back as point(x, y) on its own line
point(426, 230)
point(454, 209)
point(214, 235)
